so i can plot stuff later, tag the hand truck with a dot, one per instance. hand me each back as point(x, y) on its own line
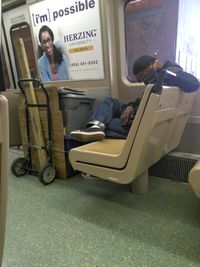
point(21, 166)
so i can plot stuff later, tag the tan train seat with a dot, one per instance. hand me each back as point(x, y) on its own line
point(4, 146)
point(194, 178)
point(13, 105)
point(156, 130)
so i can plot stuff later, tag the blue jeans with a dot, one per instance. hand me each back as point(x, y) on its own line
point(109, 112)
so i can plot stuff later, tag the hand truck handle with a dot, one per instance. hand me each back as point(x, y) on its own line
point(36, 82)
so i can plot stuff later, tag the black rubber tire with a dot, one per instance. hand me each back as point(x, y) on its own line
point(47, 174)
point(19, 167)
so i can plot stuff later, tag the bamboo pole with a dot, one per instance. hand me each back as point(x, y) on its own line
point(36, 127)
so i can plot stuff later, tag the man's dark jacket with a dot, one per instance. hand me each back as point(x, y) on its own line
point(185, 81)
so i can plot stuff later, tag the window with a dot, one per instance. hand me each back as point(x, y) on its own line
point(151, 28)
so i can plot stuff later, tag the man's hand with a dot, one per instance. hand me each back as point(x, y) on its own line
point(126, 114)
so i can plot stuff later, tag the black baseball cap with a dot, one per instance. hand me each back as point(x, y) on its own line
point(142, 63)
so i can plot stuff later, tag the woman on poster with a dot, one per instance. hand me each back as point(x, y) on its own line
point(53, 64)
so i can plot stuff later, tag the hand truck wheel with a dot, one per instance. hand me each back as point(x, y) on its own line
point(19, 167)
point(47, 174)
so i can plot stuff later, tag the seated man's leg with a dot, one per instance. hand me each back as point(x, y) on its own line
point(116, 130)
point(102, 116)
point(107, 110)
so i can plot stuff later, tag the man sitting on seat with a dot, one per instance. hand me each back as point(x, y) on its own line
point(113, 119)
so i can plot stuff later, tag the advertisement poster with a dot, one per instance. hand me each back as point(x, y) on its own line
point(68, 39)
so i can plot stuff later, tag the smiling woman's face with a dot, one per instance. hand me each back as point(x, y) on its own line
point(47, 43)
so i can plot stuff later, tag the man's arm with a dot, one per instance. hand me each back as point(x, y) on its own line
point(186, 81)
point(130, 111)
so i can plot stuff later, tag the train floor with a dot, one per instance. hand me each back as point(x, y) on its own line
point(92, 222)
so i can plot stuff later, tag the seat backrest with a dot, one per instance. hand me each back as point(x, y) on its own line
point(161, 127)
point(4, 147)
point(193, 178)
point(12, 96)
point(137, 120)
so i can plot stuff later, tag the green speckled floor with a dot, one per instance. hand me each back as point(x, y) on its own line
point(81, 222)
